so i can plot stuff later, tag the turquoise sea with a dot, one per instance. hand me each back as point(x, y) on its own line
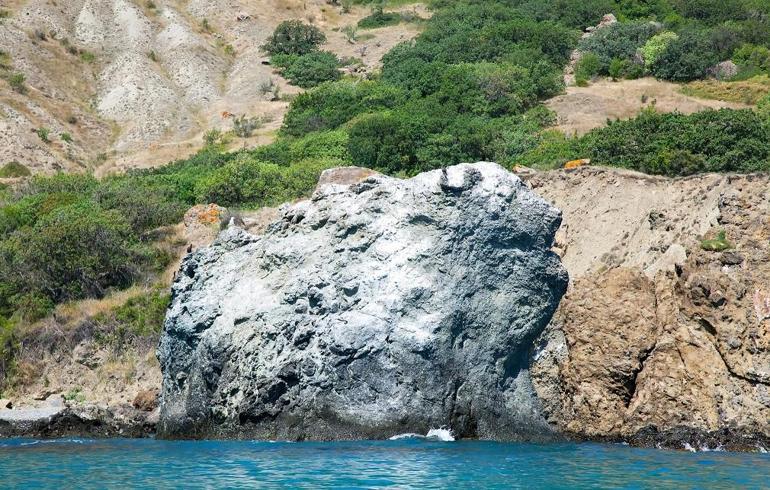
point(409, 463)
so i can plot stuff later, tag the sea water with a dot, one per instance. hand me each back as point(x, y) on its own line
point(402, 463)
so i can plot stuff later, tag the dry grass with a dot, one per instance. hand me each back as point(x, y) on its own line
point(72, 313)
point(746, 91)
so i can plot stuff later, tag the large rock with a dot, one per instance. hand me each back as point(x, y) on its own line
point(377, 308)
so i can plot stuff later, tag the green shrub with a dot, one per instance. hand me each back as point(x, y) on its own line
point(144, 314)
point(43, 134)
point(687, 58)
point(76, 251)
point(587, 67)
point(244, 127)
point(312, 69)
point(252, 183)
point(618, 41)
point(763, 108)
point(66, 137)
point(655, 46)
point(14, 169)
point(749, 56)
point(378, 18)
point(676, 144)
point(87, 56)
point(294, 37)
point(331, 105)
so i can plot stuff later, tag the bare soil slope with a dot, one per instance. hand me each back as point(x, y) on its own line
point(136, 83)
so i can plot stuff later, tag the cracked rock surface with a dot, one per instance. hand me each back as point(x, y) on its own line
point(374, 308)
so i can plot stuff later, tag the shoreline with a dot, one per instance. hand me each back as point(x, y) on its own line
point(91, 422)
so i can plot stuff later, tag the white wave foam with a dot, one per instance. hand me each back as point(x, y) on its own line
point(687, 447)
point(441, 434)
point(408, 435)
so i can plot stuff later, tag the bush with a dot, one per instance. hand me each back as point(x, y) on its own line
point(66, 137)
point(763, 109)
point(676, 144)
point(378, 18)
point(43, 134)
point(14, 169)
point(587, 67)
point(655, 46)
point(331, 105)
point(687, 58)
point(618, 41)
point(749, 56)
point(294, 37)
point(144, 314)
point(718, 244)
point(253, 183)
point(312, 69)
point(76, 251)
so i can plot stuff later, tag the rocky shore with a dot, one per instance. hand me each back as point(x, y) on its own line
point(55, 419)
point(382, 306)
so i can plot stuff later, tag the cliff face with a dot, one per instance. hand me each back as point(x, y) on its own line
point(373, 309)
point(657, 330)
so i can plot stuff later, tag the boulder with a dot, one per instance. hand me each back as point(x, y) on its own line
point(375, 308)
point(724, 70)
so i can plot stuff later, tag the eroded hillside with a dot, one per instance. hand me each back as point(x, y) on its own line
point(116, 84)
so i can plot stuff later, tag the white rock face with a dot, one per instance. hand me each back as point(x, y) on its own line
point(379, 308)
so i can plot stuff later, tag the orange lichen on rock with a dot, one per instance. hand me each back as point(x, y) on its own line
point(204, 214)
point(577, 163)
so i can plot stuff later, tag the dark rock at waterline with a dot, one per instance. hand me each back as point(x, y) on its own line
point(377, 308)
point(78, 421)
point(691, 439)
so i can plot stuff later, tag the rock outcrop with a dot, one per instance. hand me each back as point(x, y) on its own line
point(372, 309)
point(659, 339)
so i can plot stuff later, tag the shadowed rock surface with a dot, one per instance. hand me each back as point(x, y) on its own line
point(377, 308)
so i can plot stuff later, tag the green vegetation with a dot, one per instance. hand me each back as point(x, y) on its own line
point(294, 37)
point(378, 18)
point(66, 137)
point(87, 56)
point(43, 134)
point(469, 88)
point(14, 169)
point(587, 67)
point(294, 49)
point(140, 315)
point(671, 144)
point(16, 81)
point(718, 244)
point(309, 70)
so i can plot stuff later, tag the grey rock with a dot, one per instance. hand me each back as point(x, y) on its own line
point(375, 308)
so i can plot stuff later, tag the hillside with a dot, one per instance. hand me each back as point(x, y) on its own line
point(136, 83)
